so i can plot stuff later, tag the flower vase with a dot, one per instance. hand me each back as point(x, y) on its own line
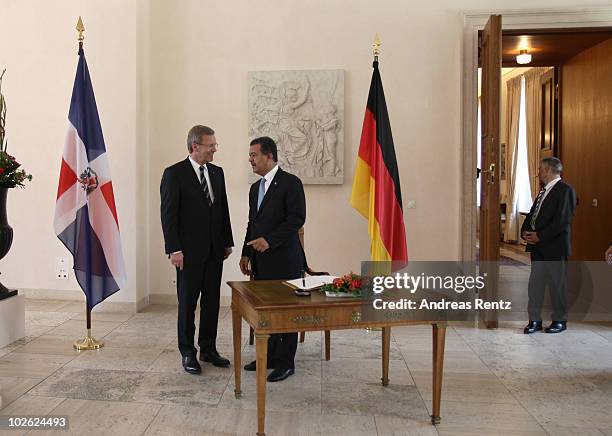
point(6, 239)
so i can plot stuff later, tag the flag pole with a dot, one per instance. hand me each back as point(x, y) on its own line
point(88, 342)
point(375, 51)
point(376, 47)
point(80, 28)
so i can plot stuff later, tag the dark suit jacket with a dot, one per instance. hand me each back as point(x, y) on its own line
point(188, 223)
point(281, 215)
point(554, 222)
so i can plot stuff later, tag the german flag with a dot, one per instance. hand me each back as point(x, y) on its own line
point(376, 187)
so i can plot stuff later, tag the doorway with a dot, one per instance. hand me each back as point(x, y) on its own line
point(557, 37)
point(550, 48)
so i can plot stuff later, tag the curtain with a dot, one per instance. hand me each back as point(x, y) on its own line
point(513, 107)
point(533, 111)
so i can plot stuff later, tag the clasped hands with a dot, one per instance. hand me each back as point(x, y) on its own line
point(531, 237)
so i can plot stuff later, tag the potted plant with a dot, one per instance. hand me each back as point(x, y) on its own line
point(11, 176)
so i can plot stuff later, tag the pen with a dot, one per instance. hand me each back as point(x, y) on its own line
point(303, 280)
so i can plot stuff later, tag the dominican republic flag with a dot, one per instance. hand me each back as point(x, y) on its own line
point(376, 187)
point(85, 213)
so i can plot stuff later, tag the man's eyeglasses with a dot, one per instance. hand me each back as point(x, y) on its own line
point(207, 145)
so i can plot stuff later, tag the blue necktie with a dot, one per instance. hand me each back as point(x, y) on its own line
point(262, 192)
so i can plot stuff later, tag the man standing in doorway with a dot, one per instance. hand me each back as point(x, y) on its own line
point(547, 231)
point(198, 238)
point(272, 249)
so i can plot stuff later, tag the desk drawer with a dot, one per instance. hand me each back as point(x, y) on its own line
point(309, 319)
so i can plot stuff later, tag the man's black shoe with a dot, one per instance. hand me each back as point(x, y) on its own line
point(556, 327)
point(280, 374)
point(213, 357)
point(253, 366)
point(532, 327)
point(191, 365)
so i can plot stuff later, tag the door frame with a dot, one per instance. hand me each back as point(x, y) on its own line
point(511, 19)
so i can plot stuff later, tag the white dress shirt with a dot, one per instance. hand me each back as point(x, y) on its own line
point(549, 186)
point(269, 177)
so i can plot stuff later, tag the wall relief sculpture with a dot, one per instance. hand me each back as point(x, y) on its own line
point(303, 111)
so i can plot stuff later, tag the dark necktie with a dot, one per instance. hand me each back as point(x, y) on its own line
point(536, 211)
point(205, 186)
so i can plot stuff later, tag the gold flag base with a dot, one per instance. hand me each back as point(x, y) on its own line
point(88, 343)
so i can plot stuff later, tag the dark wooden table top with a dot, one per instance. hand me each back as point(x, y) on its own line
point(274, 294)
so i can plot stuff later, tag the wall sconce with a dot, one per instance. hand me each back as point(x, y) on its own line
point(523, 57)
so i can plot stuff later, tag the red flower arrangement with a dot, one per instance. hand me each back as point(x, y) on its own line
point(348, 284)
point(10, 173)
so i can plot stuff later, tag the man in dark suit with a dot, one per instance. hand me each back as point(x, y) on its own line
point(547, 230)
point(198, 238)
point(272, 249)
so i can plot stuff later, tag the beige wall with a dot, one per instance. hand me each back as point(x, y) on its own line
point(39, 49)
point(158, 67)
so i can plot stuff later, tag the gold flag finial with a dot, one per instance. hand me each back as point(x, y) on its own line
point(376, 45)
point(80, 28)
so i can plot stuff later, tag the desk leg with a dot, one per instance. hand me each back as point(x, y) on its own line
point(327, 344)
point(261, 350)
point(237, 331)
point(386, 345)
point(439, 333)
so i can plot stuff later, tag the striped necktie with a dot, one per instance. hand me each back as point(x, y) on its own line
point(536, 211)
point(205, 187)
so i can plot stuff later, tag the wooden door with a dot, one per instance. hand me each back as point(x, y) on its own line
point(549, 141)
point(490, 48)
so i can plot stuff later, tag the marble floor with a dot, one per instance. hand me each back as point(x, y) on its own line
point(496, 381)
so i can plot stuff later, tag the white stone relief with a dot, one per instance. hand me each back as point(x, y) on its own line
point(303, 111)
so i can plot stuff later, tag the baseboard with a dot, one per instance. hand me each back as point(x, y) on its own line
point(78, 296)
point(110, 306)
point(142, 303)
point(53, 294)
point(170, 300)
point(165, 299)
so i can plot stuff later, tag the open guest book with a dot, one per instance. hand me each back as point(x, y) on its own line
point(310, 283)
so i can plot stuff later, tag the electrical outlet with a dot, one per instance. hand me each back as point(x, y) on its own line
point(172, 274)
point(61, 268)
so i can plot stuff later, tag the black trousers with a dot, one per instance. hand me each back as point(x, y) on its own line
point(281, 346)
point(195, 280)
point(552, 272)
point(281, 350)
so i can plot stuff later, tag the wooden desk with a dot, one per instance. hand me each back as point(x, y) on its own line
point(268, 307)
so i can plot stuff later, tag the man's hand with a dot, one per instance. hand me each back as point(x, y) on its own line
point(176, 259)
point(259, 244)
point(608, 256)
point(531, 237)
point(244, 266)
point(228, 251)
